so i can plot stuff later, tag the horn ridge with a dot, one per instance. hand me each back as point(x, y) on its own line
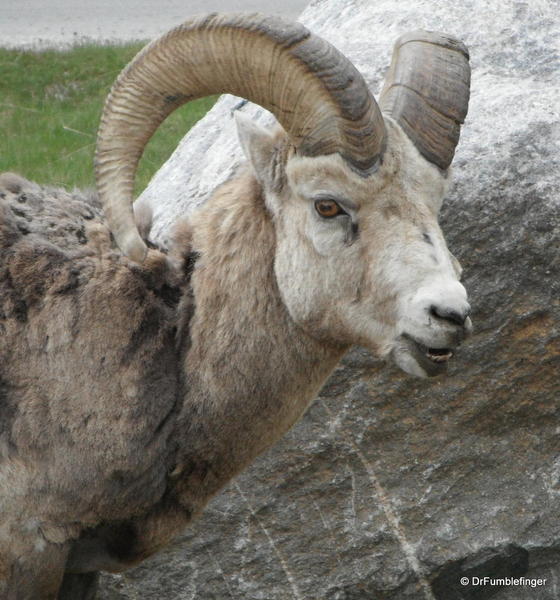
point(427, 92)
point(316, 94)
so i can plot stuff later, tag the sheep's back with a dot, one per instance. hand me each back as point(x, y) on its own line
point(54, 214)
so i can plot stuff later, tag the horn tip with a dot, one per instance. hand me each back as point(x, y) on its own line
point(133, 247)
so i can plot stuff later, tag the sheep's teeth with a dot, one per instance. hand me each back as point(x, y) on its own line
point(439, 358)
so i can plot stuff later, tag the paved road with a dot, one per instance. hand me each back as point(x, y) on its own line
point(27, 23)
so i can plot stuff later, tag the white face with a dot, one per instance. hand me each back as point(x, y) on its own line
point(363, 260)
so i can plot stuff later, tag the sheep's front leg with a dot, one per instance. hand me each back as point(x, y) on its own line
point(79, 586)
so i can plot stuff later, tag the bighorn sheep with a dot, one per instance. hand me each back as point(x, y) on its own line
point(135, 382)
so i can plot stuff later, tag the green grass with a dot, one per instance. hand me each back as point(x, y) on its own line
point(50, 103)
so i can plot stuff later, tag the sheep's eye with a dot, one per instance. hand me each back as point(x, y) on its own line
point(328, 208)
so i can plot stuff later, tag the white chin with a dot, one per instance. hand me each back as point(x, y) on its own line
point(407, 363)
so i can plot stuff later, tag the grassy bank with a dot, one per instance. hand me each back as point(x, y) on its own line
point(50, 103)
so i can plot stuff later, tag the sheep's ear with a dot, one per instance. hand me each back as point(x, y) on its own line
point(259, 147)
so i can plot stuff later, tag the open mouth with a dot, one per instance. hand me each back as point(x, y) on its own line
point(438, 355)
point(432, 361)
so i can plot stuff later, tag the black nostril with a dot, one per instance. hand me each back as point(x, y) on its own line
point(449, 314)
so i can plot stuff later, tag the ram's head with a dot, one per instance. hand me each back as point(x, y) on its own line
point(353, 193)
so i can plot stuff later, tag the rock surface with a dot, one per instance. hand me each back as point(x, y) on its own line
point(392, 487)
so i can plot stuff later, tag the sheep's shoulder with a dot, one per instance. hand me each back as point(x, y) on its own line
point(88, 365)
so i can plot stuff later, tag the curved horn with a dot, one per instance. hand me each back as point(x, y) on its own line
point(427, 92)
point(316, 94)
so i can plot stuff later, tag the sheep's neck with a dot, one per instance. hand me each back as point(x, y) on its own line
point(251, 371)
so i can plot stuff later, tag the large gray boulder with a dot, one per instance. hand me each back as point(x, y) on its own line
point(393, 487)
